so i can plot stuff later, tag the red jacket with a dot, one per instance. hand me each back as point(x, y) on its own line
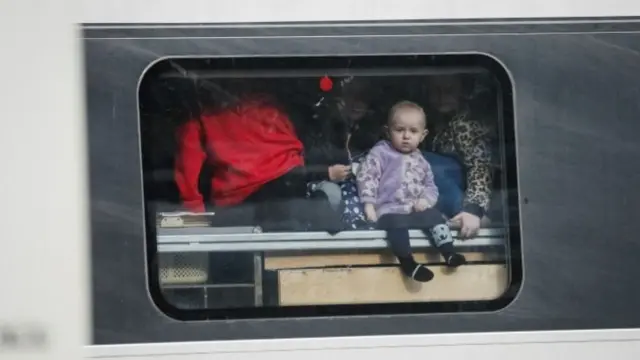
point(248, 145)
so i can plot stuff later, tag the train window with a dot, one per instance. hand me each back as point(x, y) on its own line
point(330, 185)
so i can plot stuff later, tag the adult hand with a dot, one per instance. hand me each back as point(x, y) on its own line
point(339, 172)
point(469, 224)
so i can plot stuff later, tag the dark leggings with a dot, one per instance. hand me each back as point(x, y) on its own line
point(282, 205)
point(397, 227)
point(273, 201)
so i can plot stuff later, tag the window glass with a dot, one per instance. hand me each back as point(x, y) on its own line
point(274, 186)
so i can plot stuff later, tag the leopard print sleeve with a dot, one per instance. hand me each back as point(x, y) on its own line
point(471, 140)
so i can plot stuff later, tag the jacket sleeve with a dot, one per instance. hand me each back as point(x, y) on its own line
point(368, 178)
point(473, 144)
point(430, 189)
point(316, 162)
point(189, 159)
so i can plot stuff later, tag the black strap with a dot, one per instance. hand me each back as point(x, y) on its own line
point(204, 184)
point(203, 135)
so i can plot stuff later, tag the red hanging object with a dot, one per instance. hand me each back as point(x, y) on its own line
point(326, 84)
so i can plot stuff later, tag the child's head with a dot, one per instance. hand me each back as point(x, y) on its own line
point(407, 126)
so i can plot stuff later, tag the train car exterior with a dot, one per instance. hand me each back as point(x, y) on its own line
point(565, 103)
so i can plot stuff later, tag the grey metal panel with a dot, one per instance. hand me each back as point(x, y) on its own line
point(367, 28)
point(576, 103)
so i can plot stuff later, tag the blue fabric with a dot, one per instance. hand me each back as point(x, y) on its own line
point(448, 174)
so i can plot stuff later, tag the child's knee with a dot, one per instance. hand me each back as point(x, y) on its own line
point(332, 192)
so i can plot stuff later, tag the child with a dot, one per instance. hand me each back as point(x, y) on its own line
point(396, 185)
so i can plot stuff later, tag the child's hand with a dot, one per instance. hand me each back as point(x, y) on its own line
point(421, 205)
point(339, 172)
point(370, 212)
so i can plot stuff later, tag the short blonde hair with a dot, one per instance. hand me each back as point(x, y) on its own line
point(403, 106)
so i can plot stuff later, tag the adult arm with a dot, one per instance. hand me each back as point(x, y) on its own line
point(472, 141)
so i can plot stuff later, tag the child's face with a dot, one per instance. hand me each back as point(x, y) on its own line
point(407, 130)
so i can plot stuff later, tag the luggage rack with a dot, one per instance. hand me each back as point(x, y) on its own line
point(203, 239)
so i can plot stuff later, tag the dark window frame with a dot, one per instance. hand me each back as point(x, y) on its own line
point(342, 65)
